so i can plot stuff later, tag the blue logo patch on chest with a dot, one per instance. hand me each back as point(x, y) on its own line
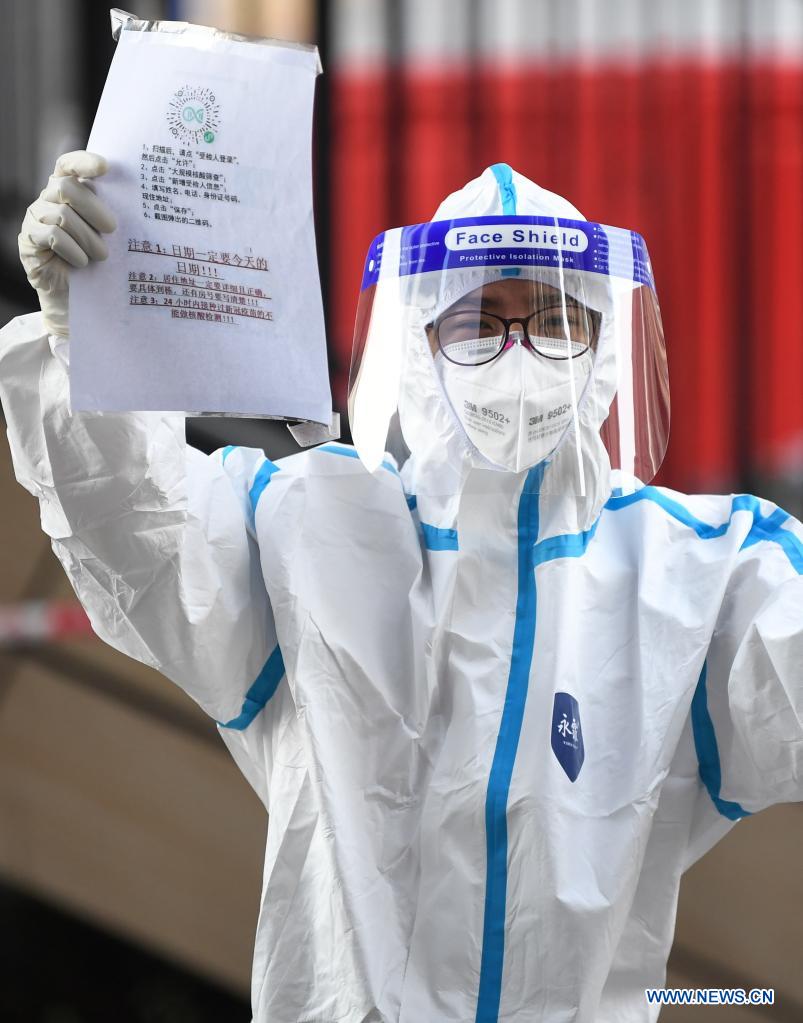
point(567, 734)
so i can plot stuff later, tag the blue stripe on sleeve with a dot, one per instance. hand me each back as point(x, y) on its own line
point(742, 502)
point(705, 742)
point(568, 545)
point(265, 685)
point(771, 529)
point(261, 480)
point(334, 449)
point(439, 539)
point(767, 528)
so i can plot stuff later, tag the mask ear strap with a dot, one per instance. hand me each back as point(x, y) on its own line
point(567, 332)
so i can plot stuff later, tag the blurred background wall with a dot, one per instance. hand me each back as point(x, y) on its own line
point(682, 120)
point(130, 847)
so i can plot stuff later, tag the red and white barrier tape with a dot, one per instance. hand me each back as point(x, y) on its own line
point(42, 621)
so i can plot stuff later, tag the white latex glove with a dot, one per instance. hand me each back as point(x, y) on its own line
point(62, 229)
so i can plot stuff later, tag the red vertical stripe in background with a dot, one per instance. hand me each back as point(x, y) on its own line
point(759, 164)
point(776, 161)
point(514, 123)
point(561, 172)
point(607, 186)
point(669, 226)
point(436, 156)
point(708, 233)
point(360, 205)
point(593, 148)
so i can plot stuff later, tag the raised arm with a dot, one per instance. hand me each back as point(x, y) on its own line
point(153, 534)
point(748, 707)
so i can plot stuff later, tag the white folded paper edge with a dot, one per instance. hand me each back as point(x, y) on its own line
point(307, 434)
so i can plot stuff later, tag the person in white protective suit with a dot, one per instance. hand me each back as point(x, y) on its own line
point(495, 692)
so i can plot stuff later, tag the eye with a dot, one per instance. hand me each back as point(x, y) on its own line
point(467, 324)
point(460, 319)
point(551, 320)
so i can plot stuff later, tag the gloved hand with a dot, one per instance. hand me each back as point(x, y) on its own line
point(61, 229)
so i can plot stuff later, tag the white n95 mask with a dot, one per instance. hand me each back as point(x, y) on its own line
point(516, 408)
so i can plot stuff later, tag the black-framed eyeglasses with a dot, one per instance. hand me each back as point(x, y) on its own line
point(473, 337)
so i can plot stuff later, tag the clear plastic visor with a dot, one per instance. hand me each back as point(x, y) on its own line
point(510, 361)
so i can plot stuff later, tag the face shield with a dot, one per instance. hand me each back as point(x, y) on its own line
point(506, 343)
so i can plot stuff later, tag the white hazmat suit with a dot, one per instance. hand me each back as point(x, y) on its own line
point(491, 724)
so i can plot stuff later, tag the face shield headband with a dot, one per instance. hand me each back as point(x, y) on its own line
point(533, 335)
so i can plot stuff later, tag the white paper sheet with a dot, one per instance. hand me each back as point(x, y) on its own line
point(210, 300)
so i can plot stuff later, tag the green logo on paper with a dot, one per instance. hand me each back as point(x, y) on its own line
point(193, 114)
